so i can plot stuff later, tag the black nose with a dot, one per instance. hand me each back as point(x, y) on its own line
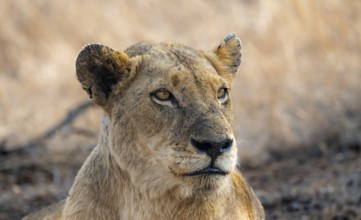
point(212, 148)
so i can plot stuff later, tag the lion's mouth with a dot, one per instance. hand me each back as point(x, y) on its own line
point(207, 171)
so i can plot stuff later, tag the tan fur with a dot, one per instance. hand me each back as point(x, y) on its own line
point(140, 168)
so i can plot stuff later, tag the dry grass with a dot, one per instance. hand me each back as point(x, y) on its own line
point(299, 84)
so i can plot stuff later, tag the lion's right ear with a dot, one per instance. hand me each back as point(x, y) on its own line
point(99, 68)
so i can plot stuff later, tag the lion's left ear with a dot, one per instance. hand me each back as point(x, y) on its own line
point(226, 58)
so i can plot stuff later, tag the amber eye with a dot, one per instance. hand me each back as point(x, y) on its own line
point(222, 95)
point(162, 95)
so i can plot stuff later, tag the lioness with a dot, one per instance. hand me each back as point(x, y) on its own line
point(166, 149)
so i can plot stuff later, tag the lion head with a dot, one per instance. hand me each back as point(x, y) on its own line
point(168, 111)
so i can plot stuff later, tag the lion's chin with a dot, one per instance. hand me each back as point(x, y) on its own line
point(208, 183)
point(206, 180)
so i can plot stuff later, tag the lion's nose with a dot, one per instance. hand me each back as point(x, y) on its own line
point(212, 148)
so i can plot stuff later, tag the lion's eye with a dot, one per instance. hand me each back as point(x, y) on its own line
point(222, 95)
point(162, 96)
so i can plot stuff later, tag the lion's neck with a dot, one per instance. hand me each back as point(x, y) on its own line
point(139, 202)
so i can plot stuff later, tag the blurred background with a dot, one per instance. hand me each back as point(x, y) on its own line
point(297, 112)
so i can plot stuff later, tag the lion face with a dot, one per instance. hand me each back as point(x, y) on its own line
point(169, 108)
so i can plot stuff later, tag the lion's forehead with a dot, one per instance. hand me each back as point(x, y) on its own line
point(180, 66)
point(167, 56)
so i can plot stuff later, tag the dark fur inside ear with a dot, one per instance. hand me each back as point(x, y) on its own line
point(99, 68)
point(105, 79)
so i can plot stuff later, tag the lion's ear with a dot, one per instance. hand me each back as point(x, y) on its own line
point(99, 68)
point(226, 57)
